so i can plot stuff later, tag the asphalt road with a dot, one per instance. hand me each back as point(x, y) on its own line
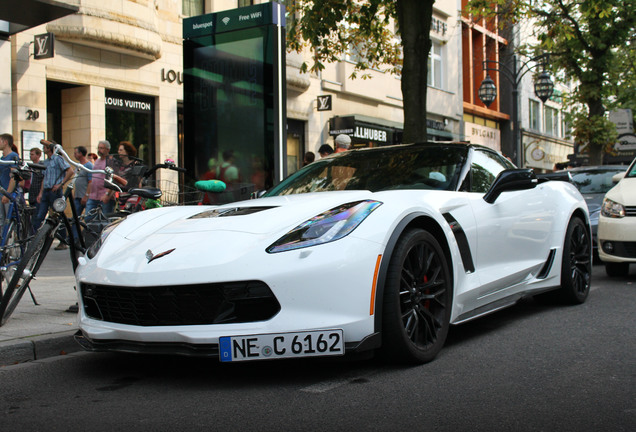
point(531, 367)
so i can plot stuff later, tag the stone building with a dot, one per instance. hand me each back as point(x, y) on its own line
point(116, 73)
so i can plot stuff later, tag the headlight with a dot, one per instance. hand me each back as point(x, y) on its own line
point(92, 251)
point(612, 209)
point(329, 226)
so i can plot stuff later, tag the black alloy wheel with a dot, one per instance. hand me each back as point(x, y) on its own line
point(576, 269)
point(417, 299)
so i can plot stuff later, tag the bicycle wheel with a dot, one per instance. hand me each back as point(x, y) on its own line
point(26, 271)
point(12, 251)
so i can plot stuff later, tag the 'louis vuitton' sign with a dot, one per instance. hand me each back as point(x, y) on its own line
point(43, 46)
point(324, 103)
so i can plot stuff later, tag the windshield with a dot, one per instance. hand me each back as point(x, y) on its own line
point(631, 172)
point(401, 167)
point(595, 180)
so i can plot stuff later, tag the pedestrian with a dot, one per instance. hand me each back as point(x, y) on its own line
point(92, 157)
point(309, 158)
point(343, 143)
point(7, 146)
point(56, 174)
point(34, 184)
point(325, 150)
point(98, 195)
point(83, 179)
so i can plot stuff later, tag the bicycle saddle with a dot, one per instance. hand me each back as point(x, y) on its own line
point(148, 192)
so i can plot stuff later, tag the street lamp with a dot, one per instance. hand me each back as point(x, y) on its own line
point(543, 88)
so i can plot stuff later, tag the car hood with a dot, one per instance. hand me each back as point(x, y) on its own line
point(593, 201)
point(624, 192)
point(261, 216)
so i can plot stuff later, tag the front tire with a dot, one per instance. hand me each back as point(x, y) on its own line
point(417, 299)
point(576, 264)
point(614, 269)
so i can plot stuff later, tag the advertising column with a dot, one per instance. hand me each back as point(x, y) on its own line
point(234, 98)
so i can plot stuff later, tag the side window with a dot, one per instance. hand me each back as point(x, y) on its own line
point(484, 169)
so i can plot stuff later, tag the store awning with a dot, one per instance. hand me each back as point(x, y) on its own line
point(19, 15)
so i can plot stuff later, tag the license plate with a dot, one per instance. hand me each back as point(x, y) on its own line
point(281, 345)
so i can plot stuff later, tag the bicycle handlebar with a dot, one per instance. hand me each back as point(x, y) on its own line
point(109, 175)
point(23, 165)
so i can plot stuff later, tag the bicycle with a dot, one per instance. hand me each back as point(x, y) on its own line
point(17, 230)
point(38, 248)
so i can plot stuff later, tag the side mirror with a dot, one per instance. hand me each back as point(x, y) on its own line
point(511, 180)
point(257, 194)
point(618, 177)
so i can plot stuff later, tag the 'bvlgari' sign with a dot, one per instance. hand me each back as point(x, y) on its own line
point(478, 134)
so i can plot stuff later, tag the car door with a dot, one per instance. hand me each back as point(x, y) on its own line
point(512, 232)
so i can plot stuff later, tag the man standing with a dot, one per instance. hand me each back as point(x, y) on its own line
point(6, 145)
point(83, 179)
point(35, 184)
point(98, 195)
point(343, 142)
point(57, 173)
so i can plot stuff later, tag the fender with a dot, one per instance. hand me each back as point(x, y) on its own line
point(384, 265)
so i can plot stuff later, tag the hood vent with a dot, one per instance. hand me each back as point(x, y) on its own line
point(233, 211)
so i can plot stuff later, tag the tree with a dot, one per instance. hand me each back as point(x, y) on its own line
point(333, 28)
point(584, 38)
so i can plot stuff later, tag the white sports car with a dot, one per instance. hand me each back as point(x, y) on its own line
point(375, 249)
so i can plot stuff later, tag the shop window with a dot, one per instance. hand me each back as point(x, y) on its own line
point(130, 117)
point(534, 115)
point(243, 3)
point(435, 66)
point(192, 7)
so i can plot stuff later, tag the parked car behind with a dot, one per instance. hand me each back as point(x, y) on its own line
point(594, 182)
point(617, 225)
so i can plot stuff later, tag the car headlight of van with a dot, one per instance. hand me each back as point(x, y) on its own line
point(612, 209)
point(94, 248)
point(327, 227)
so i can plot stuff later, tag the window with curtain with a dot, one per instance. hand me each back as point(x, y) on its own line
point(551, 118)
point(435, 66)
point(192, 7)
point(534, 115)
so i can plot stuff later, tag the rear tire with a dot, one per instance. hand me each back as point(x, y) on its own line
point(26, 271)
point(576, 264)
point(417, 299)
point(614, 269)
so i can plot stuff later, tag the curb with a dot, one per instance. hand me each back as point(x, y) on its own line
point(37, 347)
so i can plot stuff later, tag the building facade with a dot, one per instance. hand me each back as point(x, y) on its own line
point(488, 51)
point(116, 74)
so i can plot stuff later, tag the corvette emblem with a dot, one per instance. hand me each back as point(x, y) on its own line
point(151, 257)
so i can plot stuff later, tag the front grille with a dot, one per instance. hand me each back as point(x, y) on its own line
point(630, 211)
point(219, 303)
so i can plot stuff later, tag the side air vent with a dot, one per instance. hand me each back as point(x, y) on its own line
point(545, 270)
point(462, 243)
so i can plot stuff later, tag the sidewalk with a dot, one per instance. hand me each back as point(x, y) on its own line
point(36, 332)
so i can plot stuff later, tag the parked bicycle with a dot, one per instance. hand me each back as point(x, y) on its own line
point(17, 229)
point(77, 230)
point(37, 249)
